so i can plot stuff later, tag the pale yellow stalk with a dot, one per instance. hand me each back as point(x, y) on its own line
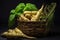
point(24, 18)
point(36, 17)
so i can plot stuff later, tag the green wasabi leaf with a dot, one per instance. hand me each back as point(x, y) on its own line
point(20, 7)
point(12, 11)
point(11, 20)
point(30, 7)
point(18, 10)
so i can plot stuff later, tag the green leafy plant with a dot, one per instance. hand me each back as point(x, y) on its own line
point(18, 11)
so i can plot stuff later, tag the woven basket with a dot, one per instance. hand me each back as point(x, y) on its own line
point(34, 28)
point(38, 28)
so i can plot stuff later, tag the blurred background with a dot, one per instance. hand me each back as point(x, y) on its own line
point(7, 5)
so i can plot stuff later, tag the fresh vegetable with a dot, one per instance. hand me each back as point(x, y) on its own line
point(20, 8)
point(11, 20)
point(34, 12)
point(30, 12)
point(27, 12)
point(15, 32)
point(24, 18)
point(28, 16)
point(12, 11)
point(36, 18)
point(30, 7)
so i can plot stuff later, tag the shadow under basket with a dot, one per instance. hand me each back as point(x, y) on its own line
point(34, 28)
